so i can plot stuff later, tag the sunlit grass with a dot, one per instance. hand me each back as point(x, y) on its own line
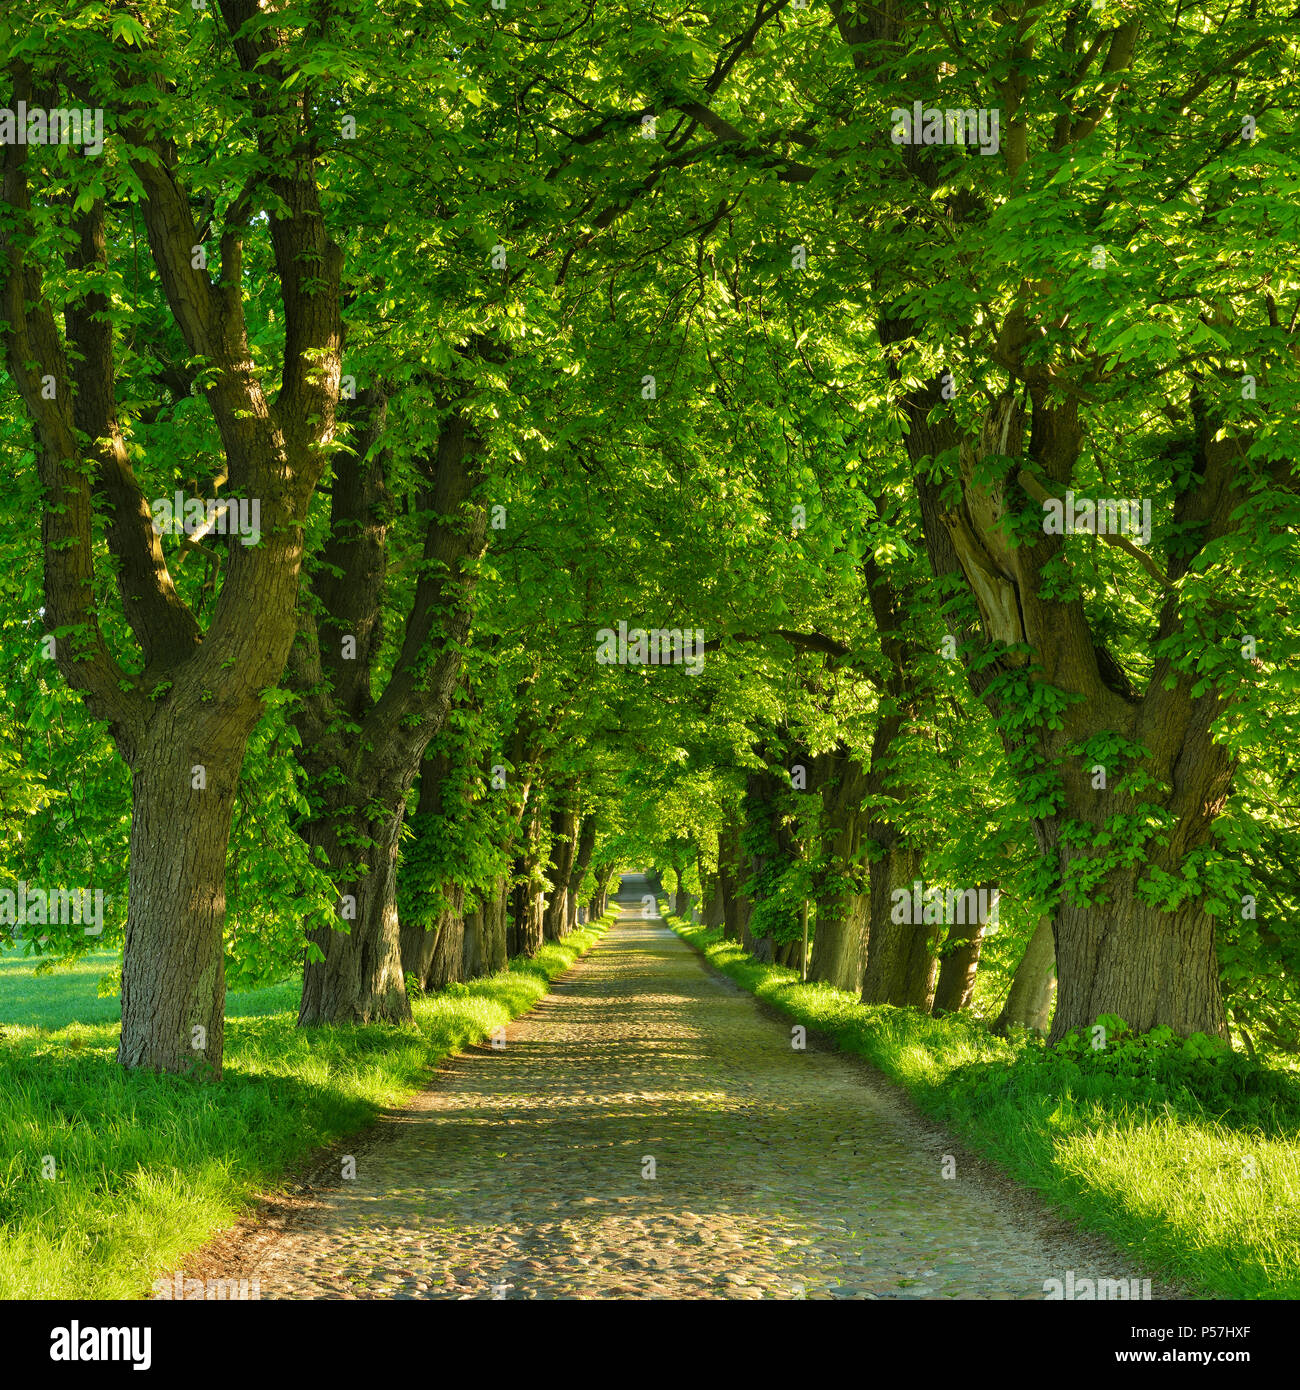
point(147, 1167)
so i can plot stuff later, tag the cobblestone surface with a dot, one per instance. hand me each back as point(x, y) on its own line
point(648, 1132)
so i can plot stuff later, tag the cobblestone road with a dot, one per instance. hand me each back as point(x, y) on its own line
point(648, 1132)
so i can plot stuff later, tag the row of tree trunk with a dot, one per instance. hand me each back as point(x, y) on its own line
point(519, 911)
point(857, 946)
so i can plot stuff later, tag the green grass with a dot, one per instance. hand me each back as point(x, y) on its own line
point(1205, 1190)
point(66, 994)
point(148, 1166)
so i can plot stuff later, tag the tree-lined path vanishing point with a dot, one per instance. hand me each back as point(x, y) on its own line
point(778, 1173)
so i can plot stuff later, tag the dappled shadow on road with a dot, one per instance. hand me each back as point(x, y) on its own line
point(648, 1132)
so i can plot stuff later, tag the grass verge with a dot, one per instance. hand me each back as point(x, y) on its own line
point(1194, 1170)
point(145, 1167)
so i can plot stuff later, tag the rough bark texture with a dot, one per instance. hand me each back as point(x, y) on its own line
point(959, 962)
point(495, 917)
point(173, 969)
point(735, 906)
point(1115, 954)
point(472, 952)
point(581, 863)
point(564, 848)
point(839, 948)
point(448, 963)
point(901, 964)
point(1033, 986)
point(360, 980)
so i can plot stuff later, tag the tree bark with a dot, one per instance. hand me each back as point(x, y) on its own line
point(839, 948)
point(448, 963)
point(1033, 986)
point(472, 953)
point(194, 696)
point(173, 968)
point(959, 962)
point(496, 914)
point(363, 754)
point(1115, 953)
point(901, 965)
point(715, 914)
point(564, 846)
point(360, 979)
point(586, 848)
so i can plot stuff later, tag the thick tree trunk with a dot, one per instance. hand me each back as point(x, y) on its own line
point(496, 912)
point(762, 948)
point(1029, 1000)
point(374, 748)
point(901, 965)
point(714, 914)
point(582, 862)
point(532, 934)
point(959, 961)
point(417, 943)
point(564, 835)
point(600, 899)
point(447, 965)
point(360, 979)
point(472, 952)
point(735, 906)
point(173, 967)
point(1147, 966)
point(199, 694)
point(839, 949)
point(1115, 954)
